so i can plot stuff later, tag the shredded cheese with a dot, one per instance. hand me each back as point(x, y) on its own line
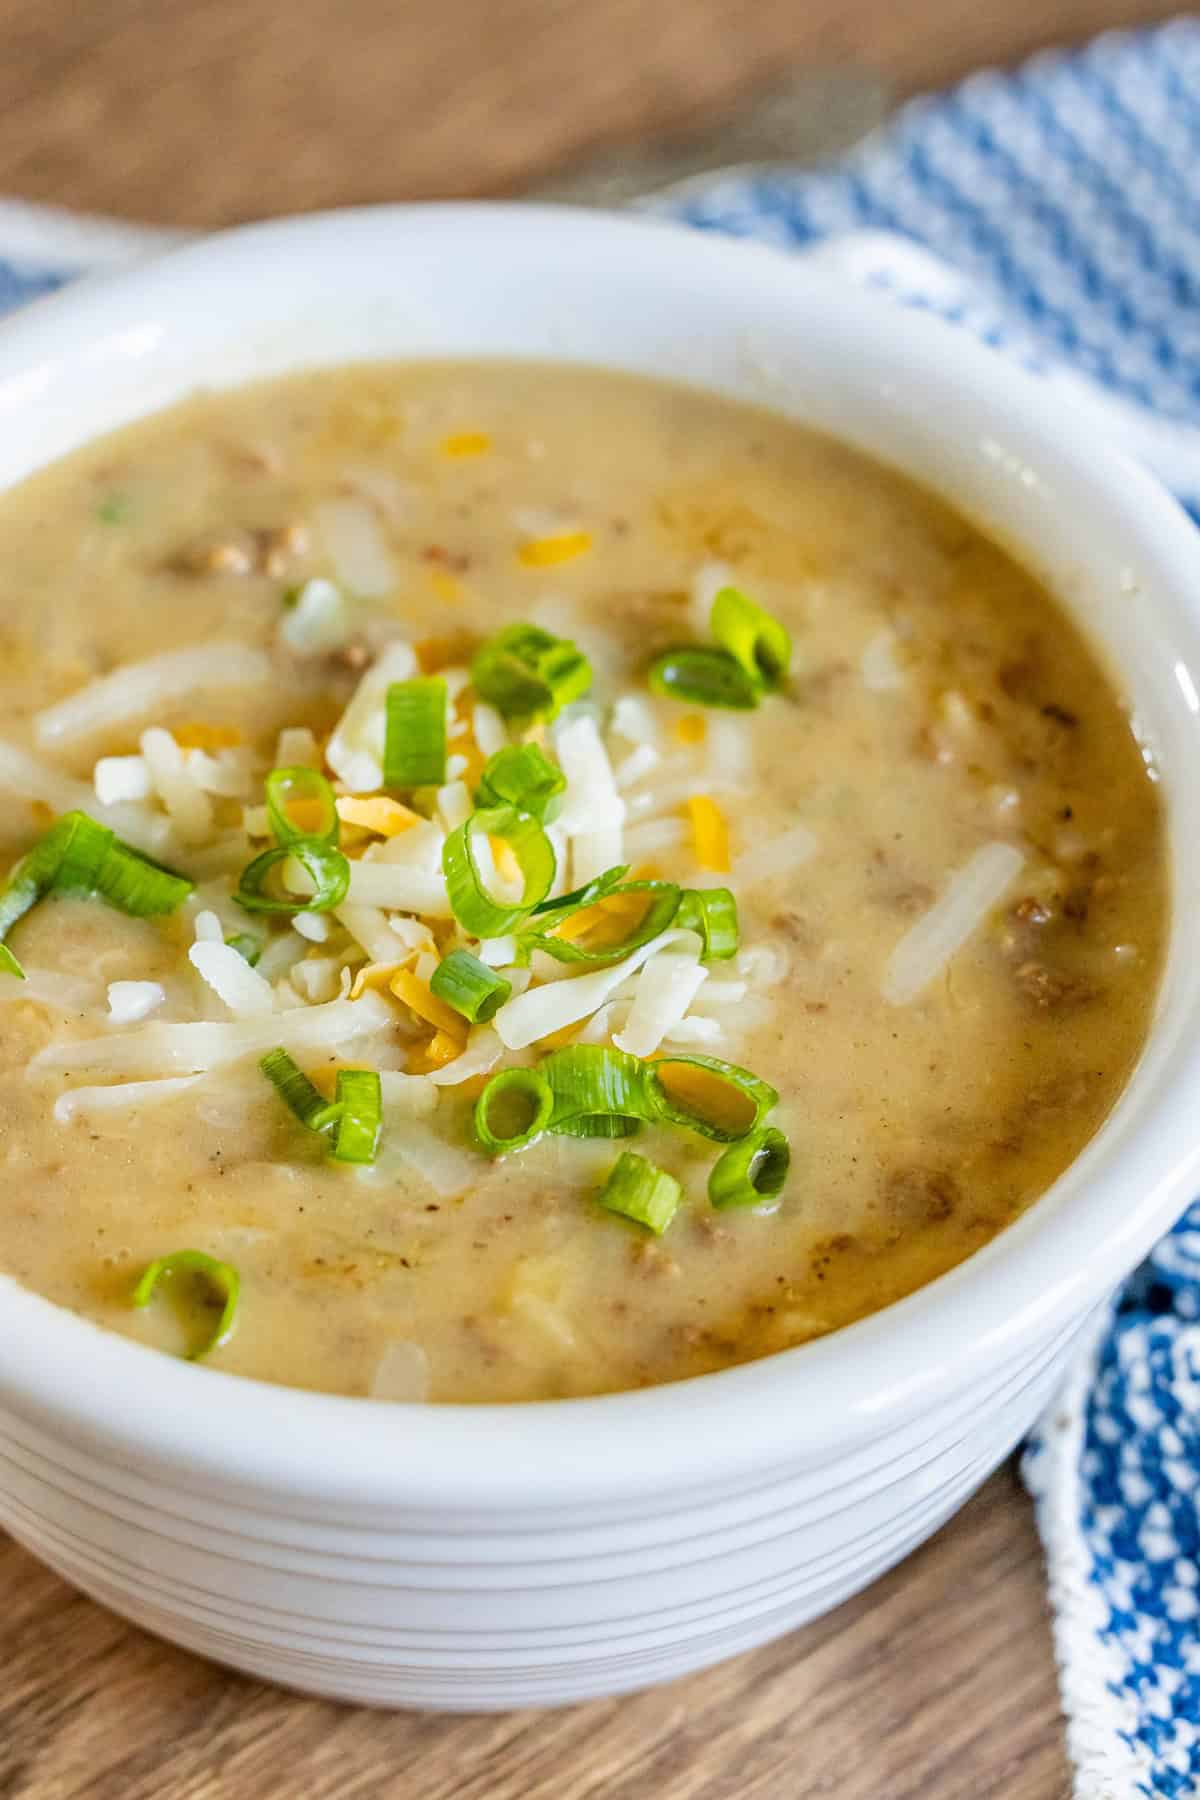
point(143, 687)
point(129, 1001)
point(939, 934)
point(415, 994)
point(666, 988)
point(243, 990)
point(377, 813)
point(350, 534)
point(318, 622)
point(355, 751)
point(541, 1010)
point(710, 833)
point(466, 443)
point(563, 546)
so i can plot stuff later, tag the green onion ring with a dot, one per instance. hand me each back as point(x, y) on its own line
point(414, 748)
point(712, 912)
point(220, 1276)
point(521, 775)
point(639, 1190)
point(598, 1091)
point(326, 866)
point(752, 1172)
point(757, 1095)
point(533, 1086)
point(300, 783)
point(753, 637)
point(525, 672)
point(703, 677)
point(474, 908)
point(469, 986)
point(661, 909)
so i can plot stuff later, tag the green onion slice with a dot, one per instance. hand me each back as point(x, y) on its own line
point(477, 911)
point(752, 1171)
point(718, 1099)
point(584, 896)
point(754, 638)
point(639, 1190)
point(703, 677)
point(713, 913)
point(9, 964)
point(598, 1091)
point(78, 856)
point(514, 1108)
point(247, 946)
point(414, 748)
point(526, 672)
point(624, 917)
point(469, 986)
point(307, 791)
point(220, 1277)
point(327, 867)
point(293, 1087)
point(352, 1120)
point(521, 775)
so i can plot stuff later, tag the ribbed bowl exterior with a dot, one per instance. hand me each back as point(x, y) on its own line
point(534, 1611)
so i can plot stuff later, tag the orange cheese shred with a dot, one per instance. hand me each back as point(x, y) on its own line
point(710, 832)
point(466, 443)
point(416, 996)
point(375, 812)
point(544, 552)
point(198, 736)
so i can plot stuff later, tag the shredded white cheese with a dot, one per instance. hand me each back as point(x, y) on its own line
point(144, 687)
point(491, 734)
point(188, 806)
point(350, 533)
point(666, 988)
point(454, 804)
point(297, 748)
point(206, 928)
point(392, 885)
point(545, 1009)
point(117, 778)
point(482, 1053)
point(401, 1374)
point(313, 926)
point(591, 802)
point(634, 720)
point(129, 1001)
point(636, 766)
point(122, 1096)
point(23, 777)
point(970, 895)
point(201, 1044)
point(707, 583)
point(318, 622)
point(243, 989)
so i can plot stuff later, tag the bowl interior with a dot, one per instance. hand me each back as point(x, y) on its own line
point(751, 324)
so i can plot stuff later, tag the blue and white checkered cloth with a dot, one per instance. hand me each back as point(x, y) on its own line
point(1056, 213)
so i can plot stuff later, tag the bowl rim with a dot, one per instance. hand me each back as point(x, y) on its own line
point(206, 1428)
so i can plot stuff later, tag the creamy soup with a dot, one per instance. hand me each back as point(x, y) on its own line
point(889, 956)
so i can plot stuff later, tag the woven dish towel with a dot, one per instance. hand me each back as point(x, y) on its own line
point(1054, 212)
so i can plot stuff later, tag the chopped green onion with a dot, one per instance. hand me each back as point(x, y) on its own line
point(469, 986)
point(9, 964)
point(293, 1087)
point(414, 749)
point(475, 909)
point(521, 775)
point(713, 913)
point(718, 1099)
point(308, 790)
point(327, 868)
point(78, 856)
point(523, 1092)
point(598, 1092)
point(290, 597)
point(661, 903)
point(115, 509)
point(352, 1119)
point(584, 896)
point(749, 1172)
point(638, 1190)
point(754, 638)
point(703, 677)
point(526, 672)
point(221, 1277)
point(246, 945)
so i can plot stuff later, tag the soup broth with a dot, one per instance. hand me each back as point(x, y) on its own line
point(943, 844)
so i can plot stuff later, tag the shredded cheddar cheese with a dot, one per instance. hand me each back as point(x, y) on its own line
point(416, 996)
point(446, 587)
point(198, 736)
point(692, 728)
point(374, 977)
point(375, 812)
point(440, 1050)
point(466, 443)
point(543, 553)
point(710, 832)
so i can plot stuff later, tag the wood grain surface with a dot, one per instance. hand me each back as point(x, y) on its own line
point(938, 1684)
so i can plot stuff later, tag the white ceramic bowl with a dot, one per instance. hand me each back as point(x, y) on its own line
point(498, 1556)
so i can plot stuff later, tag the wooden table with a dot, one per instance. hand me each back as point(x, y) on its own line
point(938, 1684)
